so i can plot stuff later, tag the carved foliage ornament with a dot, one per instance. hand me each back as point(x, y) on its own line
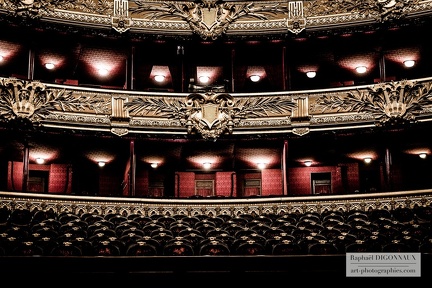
point(32, 9)
point(210, 114)
point(208, 19)
point(382, 10)
point(33, 101)
point(389, 103)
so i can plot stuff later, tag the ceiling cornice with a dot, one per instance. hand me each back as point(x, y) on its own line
point(215, 19)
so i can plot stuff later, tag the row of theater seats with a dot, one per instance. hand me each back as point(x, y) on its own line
point(27, 233)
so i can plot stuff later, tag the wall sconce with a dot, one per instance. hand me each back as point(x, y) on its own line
point(103, 72)
point(40, 160)
point(49, 66)
point(101, 163)
point(308, 163)
point(254, 78)
point(311, 74)
point(409, 63)
point(204, 79)
point(361, 69)
point(159, 78)
point(422, 155)
point(154, 165)
point(206, 165)
point(367, 160)
point(261, 165)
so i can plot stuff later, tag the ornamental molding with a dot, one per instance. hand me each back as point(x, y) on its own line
point(208, 18)
point(120, 20)
point(35, 9)
point(250, 123)
point(32, 100)
point(296, 21)
point(389, 103)
point(211, 19)
point(380, 10)
point(192, 207)
point(210, 114)
point(213, 114)
point(349, 118)
point(66, 118)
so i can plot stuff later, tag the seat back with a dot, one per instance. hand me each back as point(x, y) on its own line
point(178, 248)
point(214, 247)
point(142, 248)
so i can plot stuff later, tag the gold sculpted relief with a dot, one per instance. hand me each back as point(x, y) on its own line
point(389, 103)
point(208, 19)
point(210, 114)
point(33, 101)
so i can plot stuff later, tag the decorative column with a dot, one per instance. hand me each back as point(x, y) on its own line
point(132, 169)
point(284, 168)
point(25, 167)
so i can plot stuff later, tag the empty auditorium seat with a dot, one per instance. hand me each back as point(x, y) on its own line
point(142, 248)
point(287, 247)
point(66, 249)
point(214, 247)
point(27, 248)
point(106, 248)
point(20, 217)
point(323, 247)
point(396, 246)
point(250, 247)
point(40, 215)
point(178, 248)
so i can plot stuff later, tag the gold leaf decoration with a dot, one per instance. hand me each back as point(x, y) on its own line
point(389, 103)
point(197, 14)
point(31, 100)
point(211, 114)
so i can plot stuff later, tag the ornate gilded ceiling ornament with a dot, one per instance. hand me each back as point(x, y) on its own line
point(389, 103)
point(31, 100)
point(300, 131)
point(120, 20)
point(208, 18)
point(393, 9)
point(382, 10)
point(33, 9)
point(210, 114)
point(296, 22)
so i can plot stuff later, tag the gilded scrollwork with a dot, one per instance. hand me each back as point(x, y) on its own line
point(208, 19)
point(389, 103)
point(210, 114)
point(382, 10)
point(279, 205)
point(32, 100)
point(33, 9)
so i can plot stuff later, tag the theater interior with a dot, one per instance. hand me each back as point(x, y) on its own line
point(188, 141)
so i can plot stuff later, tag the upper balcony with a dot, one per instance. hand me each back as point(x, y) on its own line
point(159, 46)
